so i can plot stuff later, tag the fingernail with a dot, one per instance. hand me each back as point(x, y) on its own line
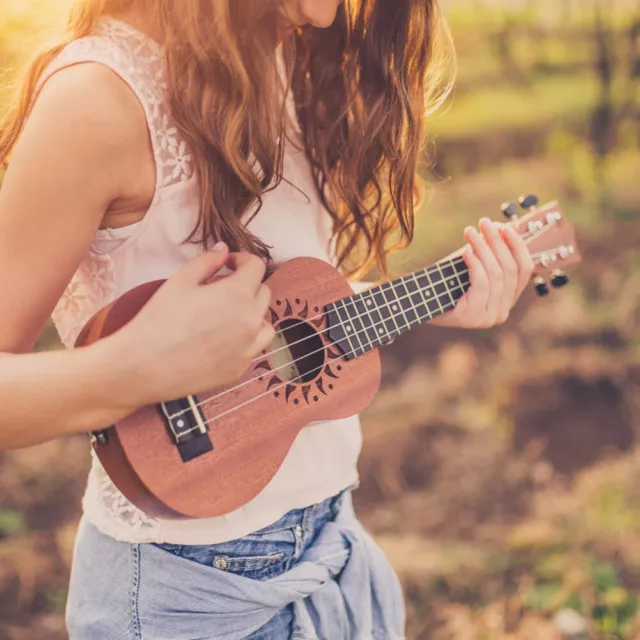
point(472, 231)
point(219, 247)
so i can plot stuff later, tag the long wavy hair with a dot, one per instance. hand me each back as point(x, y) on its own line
point(362, 89)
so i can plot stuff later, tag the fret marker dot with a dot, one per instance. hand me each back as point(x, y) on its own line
point(369, 303)
point(428, 292)
point(452, 283)
point(349, 328)
point(381, 331)
point(180, 423)
point(394, 308)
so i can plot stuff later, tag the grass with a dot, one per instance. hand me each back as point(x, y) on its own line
point(543, 102)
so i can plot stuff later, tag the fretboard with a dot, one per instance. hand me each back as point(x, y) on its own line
point(372, 318)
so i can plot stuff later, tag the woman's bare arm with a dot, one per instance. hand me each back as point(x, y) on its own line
point(76, 153)
point(191, 337)
point(80, 151)
point(60, 393)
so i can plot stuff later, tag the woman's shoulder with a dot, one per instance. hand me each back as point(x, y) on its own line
point(115, 45)
point(96, 89)
point(88, 121)
point(91, 97)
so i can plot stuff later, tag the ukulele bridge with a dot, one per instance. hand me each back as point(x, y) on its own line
point(187, 427)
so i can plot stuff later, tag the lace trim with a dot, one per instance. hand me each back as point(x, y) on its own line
point(109, 511)
point(139, 61)
point(91, 288)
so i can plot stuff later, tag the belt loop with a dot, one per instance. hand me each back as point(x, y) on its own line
point(307, 522)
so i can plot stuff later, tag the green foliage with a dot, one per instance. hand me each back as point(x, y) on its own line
point(615, 607)
point(56, 600)
point(11, 523)
point(542, 595)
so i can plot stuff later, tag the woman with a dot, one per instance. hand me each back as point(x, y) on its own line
point(284, 128)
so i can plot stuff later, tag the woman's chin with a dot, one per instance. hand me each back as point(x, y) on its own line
point(283, 34)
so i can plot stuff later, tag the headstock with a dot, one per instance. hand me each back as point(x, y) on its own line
point(551, 240)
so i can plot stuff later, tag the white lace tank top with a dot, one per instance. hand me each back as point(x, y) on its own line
point(293, 221)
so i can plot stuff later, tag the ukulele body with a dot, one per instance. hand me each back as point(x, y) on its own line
point(252, 424)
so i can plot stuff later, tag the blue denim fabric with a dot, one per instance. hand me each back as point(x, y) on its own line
point(266, 554)
point(313, 575)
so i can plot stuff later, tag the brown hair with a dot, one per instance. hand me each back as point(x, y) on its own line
point(362, 88)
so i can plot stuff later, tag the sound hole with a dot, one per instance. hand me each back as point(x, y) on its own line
point(298, 352)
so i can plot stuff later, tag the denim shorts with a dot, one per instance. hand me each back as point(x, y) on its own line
point(266, 554)
point(105, 592)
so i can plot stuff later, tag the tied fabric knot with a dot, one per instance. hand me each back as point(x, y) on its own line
point(341, 589)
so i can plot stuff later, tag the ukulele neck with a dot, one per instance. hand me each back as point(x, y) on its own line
point(370, 319)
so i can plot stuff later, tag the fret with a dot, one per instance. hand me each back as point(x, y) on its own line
point(375, 315)
point(464, 275)
point(404, 304)
point(359, 332)
point(348, 327)
point(437, 288)
point(387, 326)
point(425, 284)
point(450, 272)
point(434, 275)
point(445, 286)
point(432, 302)
point(393, 304)
point(363, 306)
point(424, 292)
point(409, 309)
point(460, 271)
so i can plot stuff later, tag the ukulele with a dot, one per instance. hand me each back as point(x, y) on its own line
point(208, 455)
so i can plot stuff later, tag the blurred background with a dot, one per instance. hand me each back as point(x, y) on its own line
point(501, 468)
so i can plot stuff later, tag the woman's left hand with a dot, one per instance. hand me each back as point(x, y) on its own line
point(500, 269)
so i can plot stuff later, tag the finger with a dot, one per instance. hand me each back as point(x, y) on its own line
point(491, 267)
point(263, 340)
point(478, 295)
point(201, 269)
point(248, 270)
point(522, 256)
point(263, 300)
point(507, 263)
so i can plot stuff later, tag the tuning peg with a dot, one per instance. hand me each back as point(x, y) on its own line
point(559, 279)
point(528, 202)
point(510, 210)
point(542, 288)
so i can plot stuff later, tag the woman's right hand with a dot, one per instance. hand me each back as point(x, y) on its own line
point(196, 334)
